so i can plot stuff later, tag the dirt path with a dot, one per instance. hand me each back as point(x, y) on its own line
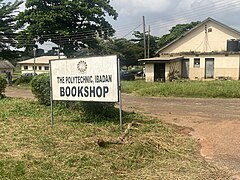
point(214, 122)
point(19, 92)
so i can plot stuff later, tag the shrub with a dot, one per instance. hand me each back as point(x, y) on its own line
point(3, 85)
point(23, 80)
point(40, 85)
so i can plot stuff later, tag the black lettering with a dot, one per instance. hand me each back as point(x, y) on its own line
point(86, 93)
point(92, 91)
point(99, 91)
point(74, 91)
point(80, 93)
point(105, 90)
point(68, 91)
point(62, 92)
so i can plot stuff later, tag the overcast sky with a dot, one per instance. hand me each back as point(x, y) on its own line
point(161, 15)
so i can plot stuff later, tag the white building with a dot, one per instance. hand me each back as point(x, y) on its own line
point(40, 64)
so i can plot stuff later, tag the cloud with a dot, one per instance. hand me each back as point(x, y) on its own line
point(135, 7)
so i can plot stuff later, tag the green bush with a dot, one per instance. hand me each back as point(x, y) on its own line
point(3, 85)
point(23, 80)
point(40, 85)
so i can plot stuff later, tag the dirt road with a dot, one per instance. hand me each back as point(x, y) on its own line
point(214, 122)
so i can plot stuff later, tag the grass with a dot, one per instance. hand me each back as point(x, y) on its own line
point(31, 149)
point(201, 89)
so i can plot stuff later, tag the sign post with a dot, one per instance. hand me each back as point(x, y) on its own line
point(86, 79)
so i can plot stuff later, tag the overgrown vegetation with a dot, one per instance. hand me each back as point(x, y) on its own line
point(184, 88)
point(3, 85)
point(23, 80)
point(31, 149)
point(40, 85)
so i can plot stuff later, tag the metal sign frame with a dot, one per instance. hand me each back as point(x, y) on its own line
point(118, 90)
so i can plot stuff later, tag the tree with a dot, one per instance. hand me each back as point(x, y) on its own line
point(71, 24)
point(153, 45)
point(7, 28)
point(176, 32)
point(128, 51)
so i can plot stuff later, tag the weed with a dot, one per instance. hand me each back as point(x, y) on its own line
point(31, 149)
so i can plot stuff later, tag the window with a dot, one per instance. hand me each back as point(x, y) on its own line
point(46, 68)
point(25, 67)
point(34, 67)
point(40, 67)
point(209, 29)
point(196, 63)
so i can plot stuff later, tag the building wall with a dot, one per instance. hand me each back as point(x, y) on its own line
point(224, 66)
point(149, 71)
point(30, 68)
point(199, 41)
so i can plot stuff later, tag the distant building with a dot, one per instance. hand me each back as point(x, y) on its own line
point(40, 64)
point(6, 66)
point(211, 50)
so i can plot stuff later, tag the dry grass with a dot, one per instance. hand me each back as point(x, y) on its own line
point(31, 149)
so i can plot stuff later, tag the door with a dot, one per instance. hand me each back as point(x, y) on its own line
point(209, 67)
point(159, 72)
point(185, 68)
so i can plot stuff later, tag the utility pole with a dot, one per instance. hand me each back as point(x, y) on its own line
point(34, 61)
point(148, 54)
point(58, 51)
point(144, 38)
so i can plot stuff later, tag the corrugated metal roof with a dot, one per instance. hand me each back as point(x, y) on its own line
point(40, 60)
point(6, 65)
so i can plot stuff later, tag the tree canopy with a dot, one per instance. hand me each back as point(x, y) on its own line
point(71, 24)
point(153, 45)
point(7, 24)
point(7, 30)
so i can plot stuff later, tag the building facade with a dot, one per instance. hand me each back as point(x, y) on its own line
point(211, 50)
point(37, 65)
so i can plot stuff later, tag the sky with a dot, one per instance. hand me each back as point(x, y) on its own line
point(161, 15)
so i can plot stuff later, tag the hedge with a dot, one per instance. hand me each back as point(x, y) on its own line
point(3, 85)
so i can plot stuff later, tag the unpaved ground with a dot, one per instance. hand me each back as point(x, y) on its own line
point(214, 122)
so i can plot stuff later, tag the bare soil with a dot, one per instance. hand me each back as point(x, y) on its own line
point(215, 123)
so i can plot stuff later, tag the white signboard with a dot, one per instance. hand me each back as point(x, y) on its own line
point(85, 79)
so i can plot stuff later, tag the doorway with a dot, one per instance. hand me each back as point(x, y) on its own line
point(209, 68)
point(185, 68)
point(159, 72)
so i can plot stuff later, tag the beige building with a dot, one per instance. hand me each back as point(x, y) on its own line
point(39, 64)
point(211, 50)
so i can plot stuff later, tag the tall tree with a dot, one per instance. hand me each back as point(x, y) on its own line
point(153, 47)
point(71, 24)
point(128, 51)
point(7, 26)
point(175, 33)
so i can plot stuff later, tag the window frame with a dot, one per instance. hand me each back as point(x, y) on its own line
point(196, 63)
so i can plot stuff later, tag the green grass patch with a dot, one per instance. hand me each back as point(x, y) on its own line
point(31, 149)
point(201, 89)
